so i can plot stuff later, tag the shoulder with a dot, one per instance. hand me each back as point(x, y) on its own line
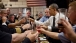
point(51, 17)
point(6, 37)
point(43, 17)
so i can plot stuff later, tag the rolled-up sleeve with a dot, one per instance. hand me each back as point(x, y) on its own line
point(63, 39)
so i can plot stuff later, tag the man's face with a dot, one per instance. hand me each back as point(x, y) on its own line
point(12, 18)
point(51, 11)
point(8, 11)
point(47, 12)
point(72, 15)
point(4, 13)
point(28, 13)
point(40, 15)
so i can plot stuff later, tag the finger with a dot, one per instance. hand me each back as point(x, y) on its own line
point(41, 25)
point(36, 34)
point(65, 21)
point(39, 30)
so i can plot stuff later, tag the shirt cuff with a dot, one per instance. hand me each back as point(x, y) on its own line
point(49, 28)
point(4, 24)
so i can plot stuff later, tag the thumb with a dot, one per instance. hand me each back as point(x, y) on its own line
point(36, 35)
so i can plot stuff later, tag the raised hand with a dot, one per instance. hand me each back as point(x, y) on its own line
point(43, 26)
point(41, 30)
point(32, 20)
point(22, 21)
point(32, 37)
point(68, 29)
point(4, 19)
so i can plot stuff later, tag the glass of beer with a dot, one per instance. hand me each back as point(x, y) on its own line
point(64, 12)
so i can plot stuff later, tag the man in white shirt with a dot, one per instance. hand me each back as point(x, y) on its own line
point(54, 12)
point(49, 24)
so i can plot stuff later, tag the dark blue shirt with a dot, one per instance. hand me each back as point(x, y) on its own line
point(63, 38)
point(44, 18)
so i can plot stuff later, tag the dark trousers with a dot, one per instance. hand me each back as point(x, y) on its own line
point(51, 40)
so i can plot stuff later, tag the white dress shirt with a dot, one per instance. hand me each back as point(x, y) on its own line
point(49, 22)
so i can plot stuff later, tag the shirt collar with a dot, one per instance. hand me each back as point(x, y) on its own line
point(57, 14)
point(47, 16)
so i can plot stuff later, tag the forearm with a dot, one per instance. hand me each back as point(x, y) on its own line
point(18, 37)
point(53, 35)
point(12, 25)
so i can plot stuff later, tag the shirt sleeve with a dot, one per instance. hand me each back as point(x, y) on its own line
point(5, 37)
point(63, 39)
point(47, 23)
point(38, 22)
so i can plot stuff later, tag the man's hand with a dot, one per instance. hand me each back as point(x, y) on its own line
point(22, 21)
point(32, 20)
point(41, 30)
point(67, 30)
point(43, 26)
point(67, 26)
point(26, 26)
point(4, 19)
point(32, 37)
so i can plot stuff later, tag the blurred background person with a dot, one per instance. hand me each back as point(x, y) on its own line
point(28, 14)
point(46, 16)
point(40, 16)
point(8, 11)
point(19, 16)
point(11, 18)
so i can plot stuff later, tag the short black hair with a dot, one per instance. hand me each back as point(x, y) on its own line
point(11, 15)
point(54, 6)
